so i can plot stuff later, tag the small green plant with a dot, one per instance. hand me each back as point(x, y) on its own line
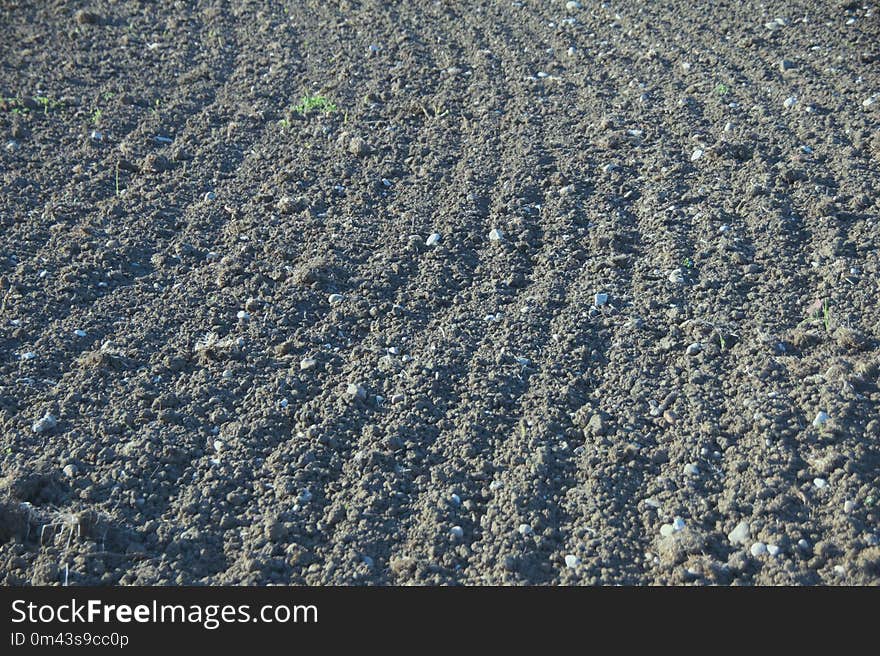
point(43, 102)
point(687, 263)
point(721, 89)
point(13, 106)
point(309, 104)
point(46, 103)
point(284, 124)
point(721, 341)
point(96, 116)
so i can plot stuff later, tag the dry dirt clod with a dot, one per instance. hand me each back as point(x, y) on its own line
point(85, 17)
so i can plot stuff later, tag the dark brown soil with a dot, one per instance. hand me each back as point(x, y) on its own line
point(279, 378)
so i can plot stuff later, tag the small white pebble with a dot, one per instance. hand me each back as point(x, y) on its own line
point(820, 482)
point(600, 299)
point(789, 102)
point(334, 299)
point(433, 239)
point(307, 363)
point(691, 469)
point(244, 316)
point(678, 524)
point(496, 235)
point(47, 423)
point(666, 530)
point(758, 549)
point(210, 196)
point(524, 529)
point(218, 445)
point(697, 154)
point(457, 532)
point(572, 561)
point(29, 355)
point(772, 550)
point(455, 499)
point(848, 506)
point(821, 419)
point(79, 333)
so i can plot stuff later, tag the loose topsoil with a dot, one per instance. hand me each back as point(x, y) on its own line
point(534, 292)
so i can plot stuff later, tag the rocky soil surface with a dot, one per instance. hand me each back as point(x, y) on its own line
point(531, 292)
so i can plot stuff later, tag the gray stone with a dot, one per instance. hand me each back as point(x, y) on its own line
point(44, 425)
point(740, 534)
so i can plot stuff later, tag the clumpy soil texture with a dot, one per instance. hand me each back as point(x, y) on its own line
point(534, 292)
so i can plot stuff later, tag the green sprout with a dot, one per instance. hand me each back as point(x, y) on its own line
point(687, 263)
point(308, 104)
point(284, 124)
point(722, 342)
point(96, 116)
point(13, 106)
point(46, 103)
point(722, 89)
